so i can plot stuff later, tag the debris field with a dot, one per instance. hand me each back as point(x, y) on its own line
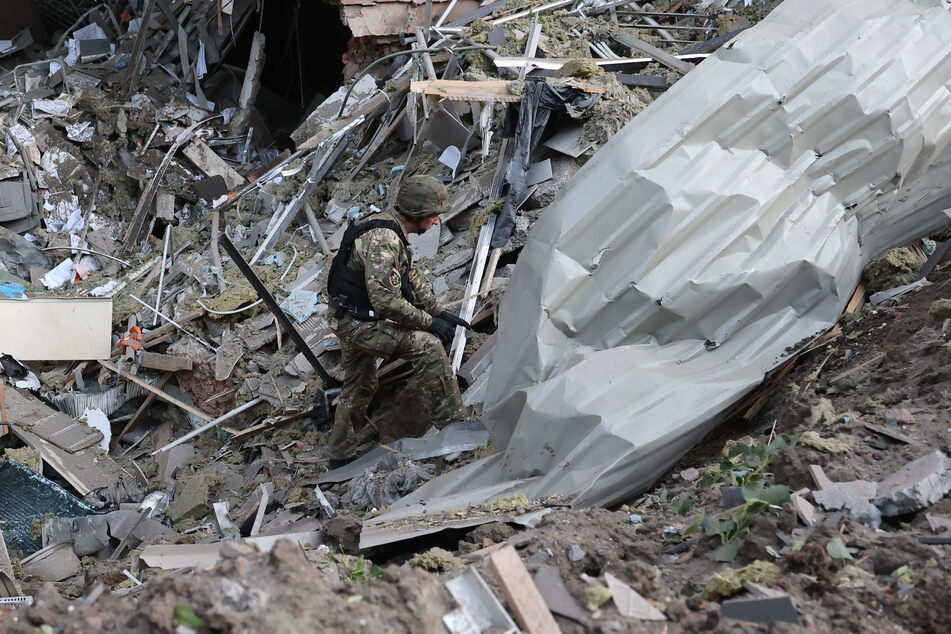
point(169, 371)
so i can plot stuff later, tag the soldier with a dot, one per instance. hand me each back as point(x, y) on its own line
point(385, 307)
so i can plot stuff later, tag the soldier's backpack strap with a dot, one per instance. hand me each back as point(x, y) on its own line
point(347, 287)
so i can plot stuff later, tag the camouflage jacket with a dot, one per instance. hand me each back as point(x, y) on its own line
point(385, 260)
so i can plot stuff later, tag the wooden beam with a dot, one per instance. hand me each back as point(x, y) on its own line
point(522, 595)
point(458, 90)
point(151, 388)
point(250, 87)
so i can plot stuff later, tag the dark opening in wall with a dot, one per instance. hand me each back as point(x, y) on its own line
point(305, 42)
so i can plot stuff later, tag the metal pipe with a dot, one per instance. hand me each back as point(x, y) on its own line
point(209, 425)
point(161, 280)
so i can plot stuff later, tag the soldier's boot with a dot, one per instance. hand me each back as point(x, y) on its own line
point(434, 372)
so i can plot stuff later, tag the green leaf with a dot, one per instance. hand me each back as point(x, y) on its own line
point(682, 505)
point(696, 526)
point(753, 491)
point(184, 615)
point(836, 549)
point(776, 495)
point(726, 552)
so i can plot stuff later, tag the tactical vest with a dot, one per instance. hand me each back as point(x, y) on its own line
point(347, 287)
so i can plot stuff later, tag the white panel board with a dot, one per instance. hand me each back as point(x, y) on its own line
point(56, 329)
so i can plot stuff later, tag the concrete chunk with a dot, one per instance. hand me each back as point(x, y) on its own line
point(917, 485)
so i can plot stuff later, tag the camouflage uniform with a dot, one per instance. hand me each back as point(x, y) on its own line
point(400, 333)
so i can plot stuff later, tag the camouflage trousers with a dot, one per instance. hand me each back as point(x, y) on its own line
point(361, 344)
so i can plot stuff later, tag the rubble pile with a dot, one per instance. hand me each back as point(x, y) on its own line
point(170, 367)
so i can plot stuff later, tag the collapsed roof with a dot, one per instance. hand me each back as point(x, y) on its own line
point(720, 231)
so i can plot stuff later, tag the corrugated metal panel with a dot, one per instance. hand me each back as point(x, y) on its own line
point(722, 228)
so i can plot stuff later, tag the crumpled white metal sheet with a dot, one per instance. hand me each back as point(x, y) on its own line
point(721, 230)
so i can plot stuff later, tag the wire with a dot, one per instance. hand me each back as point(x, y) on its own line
point(228, 312)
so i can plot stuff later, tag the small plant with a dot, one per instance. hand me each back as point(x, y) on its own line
point(356, 509)
point(735, 523)
point(358, 569)
point(745, 464)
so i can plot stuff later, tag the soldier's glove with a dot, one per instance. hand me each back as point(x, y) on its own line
point(454, 319)
point(442, 329)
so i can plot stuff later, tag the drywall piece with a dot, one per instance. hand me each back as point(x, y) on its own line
point(522, 596)
point(56, 329)
point(171, 557)
point(480, 361)
point(52, 563)
point(629, 603)
point(704, 285)
point(556, 595)
point(761, 610)
point(917, 485)
point(211, 164)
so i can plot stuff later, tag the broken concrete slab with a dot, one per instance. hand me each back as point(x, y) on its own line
point(629, 602)
point(915, 486)
point(555, 593)
point(854, 497)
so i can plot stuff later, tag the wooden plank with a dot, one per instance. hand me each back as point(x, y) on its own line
point(85, 470)
point(458, 90)
point(211, 164)
point(166, 362)
point(522, 595)
point(856, 302)
point(151, 388)
point(666, 59)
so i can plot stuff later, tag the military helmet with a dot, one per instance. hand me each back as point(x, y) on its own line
point(422, 196)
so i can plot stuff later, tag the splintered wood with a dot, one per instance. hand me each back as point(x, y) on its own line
point(458, 90)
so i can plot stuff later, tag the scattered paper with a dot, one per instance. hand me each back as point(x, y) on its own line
point(98, 420)
point(105, 290)
point(59, 275)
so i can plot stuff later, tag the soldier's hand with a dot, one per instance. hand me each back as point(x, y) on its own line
point(454, 319)
point(442, 329)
